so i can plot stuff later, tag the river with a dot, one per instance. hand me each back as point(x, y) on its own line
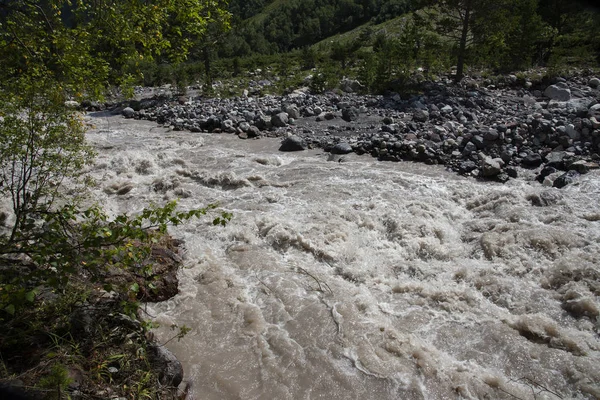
point(363, 279)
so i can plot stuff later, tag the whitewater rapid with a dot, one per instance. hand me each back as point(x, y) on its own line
point(363, 279)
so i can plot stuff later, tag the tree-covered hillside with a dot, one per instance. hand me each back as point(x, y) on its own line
point(263, 26)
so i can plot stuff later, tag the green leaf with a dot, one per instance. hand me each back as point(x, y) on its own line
point(10, 309)
point(30, 296)
point(135, 288)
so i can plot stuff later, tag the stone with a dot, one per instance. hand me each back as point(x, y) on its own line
point(341, 148)
point(490, 167)
point(292, 111)
point(582, 166)
point(72, 104)
point(491, 135)
point(594, 82)
point(532, 160)
point(280, 120)
point(171, 370)
point(545, 198)
point(555, 92)
point(128, 112)
point(421, 115)
point(293, 143)
point(350, 114)
point(565, 179)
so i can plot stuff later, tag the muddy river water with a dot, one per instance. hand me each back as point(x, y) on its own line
point(363, 279)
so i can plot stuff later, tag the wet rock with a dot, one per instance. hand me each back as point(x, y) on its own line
point(491, 167)
point(341, 148)
point(545, 198)
point(171, 369)
point(293, 143)
point(582, 166)
point(565, 179)
point(532, 160)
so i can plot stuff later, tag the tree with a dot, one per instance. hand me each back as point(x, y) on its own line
point(50, 52)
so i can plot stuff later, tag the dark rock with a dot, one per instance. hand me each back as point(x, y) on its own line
point(511, 172)
point(421, 116)
point(565, 179)
point(171, 370)
point(532, 160)
point(280, 120)
point(545, 198)
point(293, 143)
point(350, 114)
point(490, 167)
point(341, 148)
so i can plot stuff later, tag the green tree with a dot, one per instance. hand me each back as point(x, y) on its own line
point(52, 51)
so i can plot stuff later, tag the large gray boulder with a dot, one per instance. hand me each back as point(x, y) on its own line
point(280, 120)
point(293, 143)
point(594, 82)
point(559, 93)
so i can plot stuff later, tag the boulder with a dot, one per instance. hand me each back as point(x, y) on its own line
point(421, 115)
point(171, 370)
point(292, 111)
point(72, 104)
point(128, 112)
point(350, 114)
point(280, 120)
point(556, 92)
point(351, 86)
point(293, 143)
point(341, 148)
point(594, 82)
point(565, 179)
point(490, 167)
point(532, 160)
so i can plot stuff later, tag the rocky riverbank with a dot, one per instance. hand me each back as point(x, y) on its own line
point(487, 129)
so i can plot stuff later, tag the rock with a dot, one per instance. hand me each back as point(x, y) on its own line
point(572, 132)
point(556, 159)
point(351, 86)
point(280, 120)
point(556, 92)
point(565, 179)
point(128, 112)
point(446, 109)
point(350, 114)
point(253, 132)
point(72, 104)
point(490, 167)
point(546, 198)
point(341, 148)
point(532, 160)
point(293, 143)
point(582, 166)
point(171, 370)
point(491, 135)
point(594, 82)
point(292, 111)
point(421, 115)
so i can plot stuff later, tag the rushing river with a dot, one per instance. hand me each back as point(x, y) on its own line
point(364, 279)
